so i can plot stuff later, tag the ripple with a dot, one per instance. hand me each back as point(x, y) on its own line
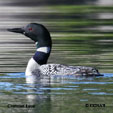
point(5, 84)
point(71, 86)
point(14, 75)
point(100, 93)
point(26, 93)
point(68, 82)
point(83, 99)
point(58, 89)
point(90, 89)
point(106, 75)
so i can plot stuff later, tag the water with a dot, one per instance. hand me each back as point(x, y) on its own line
point(56, 94)
point(82, 35)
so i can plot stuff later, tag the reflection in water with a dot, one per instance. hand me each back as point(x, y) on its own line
point(49, 95)
point(36, 96)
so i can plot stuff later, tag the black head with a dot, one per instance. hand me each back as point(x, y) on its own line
point(36, 32)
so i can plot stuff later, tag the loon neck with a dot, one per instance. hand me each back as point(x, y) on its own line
point(42, 54)
point(43, 44)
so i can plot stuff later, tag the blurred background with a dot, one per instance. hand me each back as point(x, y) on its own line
point(81, 30)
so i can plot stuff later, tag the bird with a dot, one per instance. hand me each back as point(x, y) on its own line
point(37, 65)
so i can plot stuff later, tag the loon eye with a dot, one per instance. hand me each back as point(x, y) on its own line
point(30, 29)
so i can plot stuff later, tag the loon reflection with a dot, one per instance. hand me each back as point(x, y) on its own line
point(37, 64)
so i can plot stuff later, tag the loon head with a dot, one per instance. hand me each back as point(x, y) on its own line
point(39, 34)
point(36, 32)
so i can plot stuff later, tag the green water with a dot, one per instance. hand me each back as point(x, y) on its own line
point(82, 35)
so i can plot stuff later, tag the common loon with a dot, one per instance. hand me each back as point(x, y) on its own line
point(37, 64)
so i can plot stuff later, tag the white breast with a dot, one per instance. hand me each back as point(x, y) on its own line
point(31, 67)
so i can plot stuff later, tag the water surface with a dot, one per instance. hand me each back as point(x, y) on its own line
point(53, 95)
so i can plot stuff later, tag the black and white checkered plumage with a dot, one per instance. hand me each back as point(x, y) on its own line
point(62, 70)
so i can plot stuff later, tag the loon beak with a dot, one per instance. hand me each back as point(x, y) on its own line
point(17, 30)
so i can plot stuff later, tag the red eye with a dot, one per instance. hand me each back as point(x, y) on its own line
point(30, 29)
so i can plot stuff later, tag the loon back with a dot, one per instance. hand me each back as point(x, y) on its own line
point(62, 70)
point(37, 64)
point(33, 68)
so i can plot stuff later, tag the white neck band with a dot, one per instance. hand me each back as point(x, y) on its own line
point(44, 49)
